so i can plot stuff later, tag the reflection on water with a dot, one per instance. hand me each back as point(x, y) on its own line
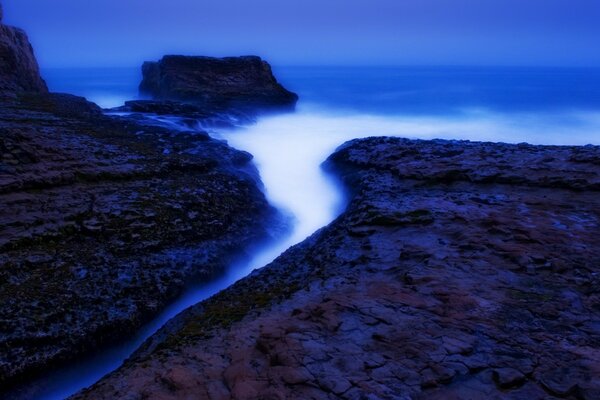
point(107, 87)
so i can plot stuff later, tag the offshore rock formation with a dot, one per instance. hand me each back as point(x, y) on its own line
point(245, 82)
point(459, 271)
point(19, 70)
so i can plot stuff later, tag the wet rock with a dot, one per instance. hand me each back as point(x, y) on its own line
point(193, 115)
point(100, 229)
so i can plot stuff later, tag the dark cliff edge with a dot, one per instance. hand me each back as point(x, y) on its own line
point(458, 270)
point(19, 70)
point(230, 82)
point(103, 221)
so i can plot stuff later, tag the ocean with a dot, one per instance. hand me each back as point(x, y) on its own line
point(385, 90)
point(512, 104)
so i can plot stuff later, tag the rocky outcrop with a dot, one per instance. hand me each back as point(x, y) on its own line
point(104, 222)
point(19, 71)
point(458, 271)
point(246, 82)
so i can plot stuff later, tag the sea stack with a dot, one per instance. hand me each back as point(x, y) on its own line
point(245, 82)
point(19, 70)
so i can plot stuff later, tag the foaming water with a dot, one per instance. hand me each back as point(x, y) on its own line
point(288, 149)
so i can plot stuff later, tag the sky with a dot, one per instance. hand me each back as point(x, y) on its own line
point(104, 33)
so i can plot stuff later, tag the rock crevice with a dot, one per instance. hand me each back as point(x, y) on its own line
point(429, 286)
point(103, 220)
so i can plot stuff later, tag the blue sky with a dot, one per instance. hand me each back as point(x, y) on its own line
point(300, 32)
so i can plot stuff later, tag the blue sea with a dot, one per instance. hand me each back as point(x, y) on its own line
point(386, 90)
point(513, 104)
point(536, 105)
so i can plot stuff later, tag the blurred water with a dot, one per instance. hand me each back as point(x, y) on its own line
point(543, 106)
point(445, 90)
point(385, 90)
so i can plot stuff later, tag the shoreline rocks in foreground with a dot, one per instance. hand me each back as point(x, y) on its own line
point(459, 270)
point(104, 222)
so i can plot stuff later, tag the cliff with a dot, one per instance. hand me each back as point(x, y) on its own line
point(19, 71)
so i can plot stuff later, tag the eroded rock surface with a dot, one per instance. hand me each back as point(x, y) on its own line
point(458, 271)
point(234, 82)
point(103, 222)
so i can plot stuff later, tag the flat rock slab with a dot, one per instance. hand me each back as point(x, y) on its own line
point(459, 271)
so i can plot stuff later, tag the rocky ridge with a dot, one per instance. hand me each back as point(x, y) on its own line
point(459, 270)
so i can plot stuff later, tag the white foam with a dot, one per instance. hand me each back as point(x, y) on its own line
point(289, 148)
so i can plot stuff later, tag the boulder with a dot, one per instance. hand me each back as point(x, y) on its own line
point(245, 82)
point(19, 70)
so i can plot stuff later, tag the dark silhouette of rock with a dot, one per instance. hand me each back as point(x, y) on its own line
point(19, 71)
point(459, 270)
point(230, 82)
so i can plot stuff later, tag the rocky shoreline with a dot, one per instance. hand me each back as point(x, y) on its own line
point(104, 220)
point(459, 270)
